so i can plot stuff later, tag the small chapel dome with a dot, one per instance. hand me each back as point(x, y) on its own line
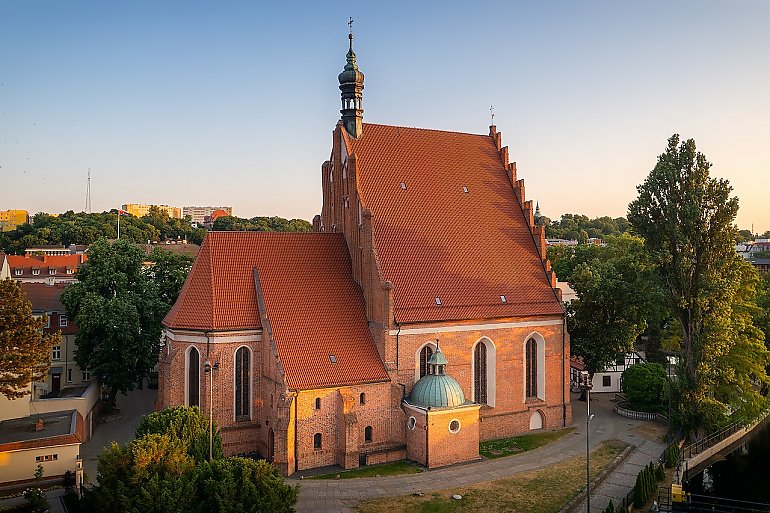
point(436, 389)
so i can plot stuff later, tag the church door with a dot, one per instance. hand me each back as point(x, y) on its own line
point(270, 445)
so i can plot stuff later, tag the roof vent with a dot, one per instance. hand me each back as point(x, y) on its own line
point(403, 186)
point(332, 358)
point(465, 189)
point(438, 301)
point(503, 299)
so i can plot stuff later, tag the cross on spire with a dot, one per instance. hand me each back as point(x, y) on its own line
point(350, 36)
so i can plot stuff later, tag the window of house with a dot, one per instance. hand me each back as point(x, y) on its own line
point(63, 320)
point(46, 457)
point(86, 375)
point(317, 441)
point(425, 354)
point(368, 434)
point(606, 381)
point(317, 403)
point(362, 398)
point(69, 375)
point(70, 271)
point(18, 272)
point(454, 426)
point(56, 353)
point(52, 270)
point(242, 384)
point(531, 368)
point(193, 378)
point(35, 272)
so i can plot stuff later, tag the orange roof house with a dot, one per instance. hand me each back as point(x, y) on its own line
point(314, 342)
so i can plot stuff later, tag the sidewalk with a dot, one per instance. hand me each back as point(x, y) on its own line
point(340, 496)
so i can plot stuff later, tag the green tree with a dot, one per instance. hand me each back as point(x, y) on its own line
point(118, 311)
point(616, 291)
point(25, 351)
point(151, 474)
point(686, 219)
point(188, 425)
point(233, 485)
point(644, 384)
point(169, 271)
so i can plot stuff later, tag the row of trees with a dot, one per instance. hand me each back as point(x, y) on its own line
point(82, 228)
point(679, 286)
point(167, 468)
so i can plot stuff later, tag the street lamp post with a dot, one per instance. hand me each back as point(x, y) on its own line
point(207, 367)
point(585, 384)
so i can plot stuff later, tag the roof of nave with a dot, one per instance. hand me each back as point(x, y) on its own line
point(435, 240)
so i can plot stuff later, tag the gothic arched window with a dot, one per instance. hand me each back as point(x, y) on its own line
point(425, 354)
point(480, 373)
point(193, 377)
point(531, 368)
point(242, 383)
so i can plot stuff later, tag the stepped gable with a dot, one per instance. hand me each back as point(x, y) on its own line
point(435, 240)
point(314, 308)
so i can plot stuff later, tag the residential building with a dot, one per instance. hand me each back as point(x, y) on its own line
point(141, 210)
point(419, 317)
point(198, 214)
point(608, 379)
point(10, 219)
point(72, 249)
point(42, 268)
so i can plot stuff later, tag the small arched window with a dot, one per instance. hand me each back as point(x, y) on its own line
point(317, 403)
point(317, 441)
point(368, 434)
point(242, 383)
point(531, 368)
point(480, 373)
point(193, 377)
point(425, 354)
point(362, 398)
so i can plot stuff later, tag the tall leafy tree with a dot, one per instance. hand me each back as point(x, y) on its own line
point(168, 271)
point(25, 351)
point(118, 310)
point(686, 219)
point(188, 425)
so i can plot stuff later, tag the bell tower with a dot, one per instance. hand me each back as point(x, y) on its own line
point(351, 87)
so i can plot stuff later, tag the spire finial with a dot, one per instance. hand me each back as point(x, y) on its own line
point(350, 35)
point(492, 112)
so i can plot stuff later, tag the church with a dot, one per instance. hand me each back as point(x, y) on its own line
point(419, 317)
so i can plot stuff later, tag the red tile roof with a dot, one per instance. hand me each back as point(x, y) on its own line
point(315, 308)
point(435, 240)
point(43, 262)
point(47, 298)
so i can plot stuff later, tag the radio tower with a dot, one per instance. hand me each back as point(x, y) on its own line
point(88, 193)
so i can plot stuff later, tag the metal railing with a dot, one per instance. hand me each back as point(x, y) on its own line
point(711, 440)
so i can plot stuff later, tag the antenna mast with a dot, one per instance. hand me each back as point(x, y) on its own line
point(88, 193)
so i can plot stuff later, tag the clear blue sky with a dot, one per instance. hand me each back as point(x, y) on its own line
point(233, 103)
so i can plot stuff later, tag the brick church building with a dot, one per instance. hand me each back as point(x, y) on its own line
point(419, 317)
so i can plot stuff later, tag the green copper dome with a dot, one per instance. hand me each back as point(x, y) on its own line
point(436, 389)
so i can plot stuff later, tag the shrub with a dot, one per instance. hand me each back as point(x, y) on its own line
point(644, 384)
point(188, 425)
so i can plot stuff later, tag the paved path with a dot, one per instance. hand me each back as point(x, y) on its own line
point(340, 496)
point(133, 407)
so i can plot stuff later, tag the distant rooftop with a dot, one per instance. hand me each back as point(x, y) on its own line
point(23, 429)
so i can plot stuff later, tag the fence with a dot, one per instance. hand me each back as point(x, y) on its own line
point(710, 441)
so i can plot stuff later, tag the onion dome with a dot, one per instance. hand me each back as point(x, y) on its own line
point(436, 389)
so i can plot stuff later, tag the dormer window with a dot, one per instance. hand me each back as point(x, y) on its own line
point(70, 270)
point(18, 272)
point(35, 271)
point(51, 270)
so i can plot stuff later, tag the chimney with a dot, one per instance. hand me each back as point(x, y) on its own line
point(39, 425)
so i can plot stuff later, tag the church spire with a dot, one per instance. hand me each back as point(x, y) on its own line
point(351, 86)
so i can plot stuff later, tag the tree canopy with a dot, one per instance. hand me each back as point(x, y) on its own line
point(261, 224)
point(187, 425)
point(686, 219)
point(25, 351)
point(645, 384)
point(118, 310)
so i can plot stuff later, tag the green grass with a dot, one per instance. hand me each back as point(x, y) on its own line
point(506, 446)
point(385, 469)
point(539, 491)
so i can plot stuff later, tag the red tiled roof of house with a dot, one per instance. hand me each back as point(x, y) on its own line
point(47, 298)
point(436, 241)
point(315, 308)
point(44, 262)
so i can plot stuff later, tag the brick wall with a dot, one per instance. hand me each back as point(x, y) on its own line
point(445, 447)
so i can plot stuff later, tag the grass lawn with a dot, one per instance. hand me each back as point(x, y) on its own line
point(540, 491)
point(506, 446)
point(386, 469)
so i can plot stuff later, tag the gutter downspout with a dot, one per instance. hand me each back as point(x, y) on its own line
point(563, 347)
point(296, 436)
point(397, 334)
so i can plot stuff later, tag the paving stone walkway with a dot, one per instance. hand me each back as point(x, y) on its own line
point(341, 496)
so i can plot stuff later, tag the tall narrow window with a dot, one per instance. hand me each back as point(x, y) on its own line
point(193, 378)
point(317, 441)
point(425, 354)
point(368, 434)
point(480, 373)
point(531, 370)
point(242, 381)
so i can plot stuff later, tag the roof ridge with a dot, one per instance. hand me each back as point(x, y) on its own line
point(425, 129)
